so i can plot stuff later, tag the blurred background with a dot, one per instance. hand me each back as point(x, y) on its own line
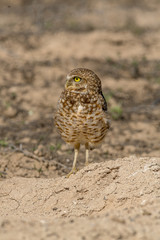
point(40, 42)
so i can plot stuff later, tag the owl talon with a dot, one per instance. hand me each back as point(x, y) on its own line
point(73, 171)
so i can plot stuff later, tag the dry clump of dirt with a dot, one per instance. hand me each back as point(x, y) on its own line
point(117, 199)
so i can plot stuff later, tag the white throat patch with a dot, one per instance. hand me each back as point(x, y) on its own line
point(79, 108)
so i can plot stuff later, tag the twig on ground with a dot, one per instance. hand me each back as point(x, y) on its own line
point(31, 155)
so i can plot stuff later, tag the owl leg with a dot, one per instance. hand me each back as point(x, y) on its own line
point(76, 151)
point(87, 154)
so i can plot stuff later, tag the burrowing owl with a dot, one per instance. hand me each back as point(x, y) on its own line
point(81, 116)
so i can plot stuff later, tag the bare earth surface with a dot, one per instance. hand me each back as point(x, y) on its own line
point(116, 199)
point(118, 195)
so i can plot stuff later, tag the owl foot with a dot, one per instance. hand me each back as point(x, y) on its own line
point(73, 171)
point(86, 163)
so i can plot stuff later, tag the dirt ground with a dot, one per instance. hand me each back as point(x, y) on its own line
point(118, 195)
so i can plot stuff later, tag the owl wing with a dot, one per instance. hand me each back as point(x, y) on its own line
point(104, 108)
point(103, 102)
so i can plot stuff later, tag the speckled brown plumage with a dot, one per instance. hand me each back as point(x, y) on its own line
point(81, 116)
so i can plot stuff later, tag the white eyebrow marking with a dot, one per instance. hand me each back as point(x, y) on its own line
point(68, 77)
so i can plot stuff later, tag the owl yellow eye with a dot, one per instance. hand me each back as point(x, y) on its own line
point(77, 79)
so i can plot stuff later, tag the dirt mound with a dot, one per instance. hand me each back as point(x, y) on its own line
point(118, 199)
point(41, 42)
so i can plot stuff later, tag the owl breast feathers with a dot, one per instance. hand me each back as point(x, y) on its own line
point(81, 115)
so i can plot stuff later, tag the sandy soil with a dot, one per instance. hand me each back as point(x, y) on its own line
point(118, 194)
point(115, 199)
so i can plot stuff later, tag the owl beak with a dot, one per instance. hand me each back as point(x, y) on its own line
point(68, 83)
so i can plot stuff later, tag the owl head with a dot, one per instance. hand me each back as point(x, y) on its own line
point(82, 80)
